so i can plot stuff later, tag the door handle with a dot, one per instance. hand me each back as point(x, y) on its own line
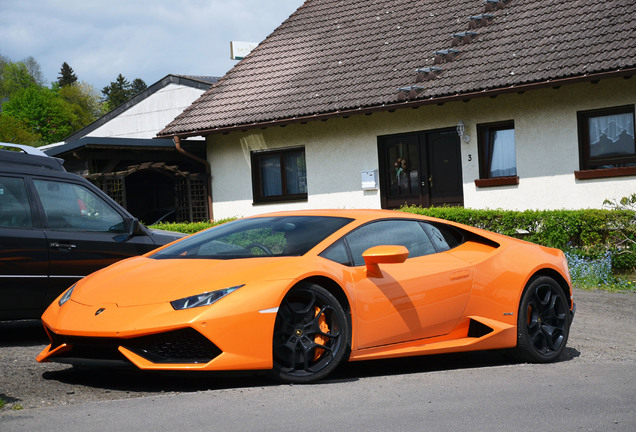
point(430, 181)
point(62, 246)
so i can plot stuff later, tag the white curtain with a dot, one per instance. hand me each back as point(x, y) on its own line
point(611, 135)
point(270, 175)
point(504, 158)
point(296, 173)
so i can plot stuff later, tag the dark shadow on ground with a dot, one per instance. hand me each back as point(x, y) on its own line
point(134, 381)
point(22, 333)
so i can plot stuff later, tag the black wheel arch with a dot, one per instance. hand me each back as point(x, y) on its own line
point(333, 287)
point(558, 278)
point(335, 290)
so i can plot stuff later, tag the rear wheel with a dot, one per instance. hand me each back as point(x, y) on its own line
point(311, 335)
point(543, 322)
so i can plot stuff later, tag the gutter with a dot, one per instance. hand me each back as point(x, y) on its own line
point(208, 172)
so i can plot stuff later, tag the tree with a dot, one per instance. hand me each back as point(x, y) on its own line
point(3, 61)
point(13, 78)
point(16, 131)
point(34, 70)
point(84, 101)
point(120, 90)
point(44, 111)
point(138, 85)
point(67, 76)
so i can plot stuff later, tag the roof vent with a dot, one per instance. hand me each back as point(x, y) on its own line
point(427, 73)
point(445, 55)
point(491, 5)
point(480, 20)
point(408, 92)
point(463, 37)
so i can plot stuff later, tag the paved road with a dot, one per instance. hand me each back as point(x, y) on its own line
point(592, 389)
point(559, 397)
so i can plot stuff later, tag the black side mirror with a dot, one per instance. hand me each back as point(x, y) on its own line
point(133, 229)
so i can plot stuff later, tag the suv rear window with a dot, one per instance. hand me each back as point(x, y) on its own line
point(15, 211)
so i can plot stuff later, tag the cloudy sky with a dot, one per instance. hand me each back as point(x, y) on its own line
point(145, 39)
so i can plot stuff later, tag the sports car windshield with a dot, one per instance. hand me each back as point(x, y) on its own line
point(256, 237)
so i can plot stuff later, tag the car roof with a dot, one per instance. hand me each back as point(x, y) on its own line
point(359, 214)
point(28, 159)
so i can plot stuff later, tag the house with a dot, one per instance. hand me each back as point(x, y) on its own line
point(376, 104)
point(151, 178)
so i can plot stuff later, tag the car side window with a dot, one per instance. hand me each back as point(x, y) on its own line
point(443, 237)
point(15, 211)
point(407, 233)
point(72, 207)
point(337, 252)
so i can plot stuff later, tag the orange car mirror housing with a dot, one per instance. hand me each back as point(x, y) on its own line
point(390, 254)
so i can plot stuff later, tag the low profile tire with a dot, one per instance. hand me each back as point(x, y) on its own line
point(311, 335)
point(543, 322)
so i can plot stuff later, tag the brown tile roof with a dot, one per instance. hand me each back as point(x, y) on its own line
point(335, 56)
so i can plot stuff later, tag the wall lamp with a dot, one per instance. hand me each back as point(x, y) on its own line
point(460, 131)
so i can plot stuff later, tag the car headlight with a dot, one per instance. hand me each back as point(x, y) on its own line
point(204, 299)
point(67, 295)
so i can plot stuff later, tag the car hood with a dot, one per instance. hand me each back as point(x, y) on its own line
point(141, 281)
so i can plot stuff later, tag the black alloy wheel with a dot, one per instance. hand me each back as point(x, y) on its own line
point(311, 335)
point(543, 322)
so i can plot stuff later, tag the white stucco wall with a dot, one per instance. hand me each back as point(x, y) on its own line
point(146, 118)
point(338, 149)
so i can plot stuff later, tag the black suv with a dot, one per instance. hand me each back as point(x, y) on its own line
point(55, 228)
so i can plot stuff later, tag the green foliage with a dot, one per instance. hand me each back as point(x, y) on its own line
point(34, 114)
point(188, 227)
point(138, 85)
point(84, 102)
point(44, 111)
point(15, 77)
point(17, 131)
point(589, 230)
point(67, 76)
point(120, 90)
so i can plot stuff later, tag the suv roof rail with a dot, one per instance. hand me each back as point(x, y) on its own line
point(29, 156)
point(25, 148)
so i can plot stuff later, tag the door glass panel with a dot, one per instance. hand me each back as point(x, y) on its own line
point(15, 211)
point(73, 207)
point(403, 169)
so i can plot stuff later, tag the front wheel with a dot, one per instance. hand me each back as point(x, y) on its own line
point(311, 335)
point(543, 322)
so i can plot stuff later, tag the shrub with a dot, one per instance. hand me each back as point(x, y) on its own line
point(592, 231)
point(188, 227)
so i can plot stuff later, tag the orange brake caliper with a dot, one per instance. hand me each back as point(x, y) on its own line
point(320, 339)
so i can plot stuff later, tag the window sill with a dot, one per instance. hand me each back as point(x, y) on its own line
point(280, 200)
point(497, 181)
point(604, 173)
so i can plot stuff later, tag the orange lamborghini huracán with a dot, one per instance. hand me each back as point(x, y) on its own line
point(297, 293)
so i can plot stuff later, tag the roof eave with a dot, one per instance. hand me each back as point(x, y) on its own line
point(621, 72)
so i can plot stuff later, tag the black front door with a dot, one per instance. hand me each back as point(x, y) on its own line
point(421, 168)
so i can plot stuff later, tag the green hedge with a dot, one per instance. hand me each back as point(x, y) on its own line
point(591, 232)
point(188, 227)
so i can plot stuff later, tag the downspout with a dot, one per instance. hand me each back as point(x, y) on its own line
point(208, 172)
